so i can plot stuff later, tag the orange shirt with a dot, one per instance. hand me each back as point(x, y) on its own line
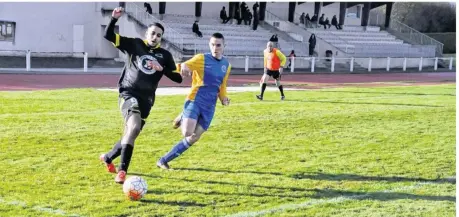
point(274, 60)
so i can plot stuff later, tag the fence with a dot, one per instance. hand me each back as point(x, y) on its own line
point(414, 35)
point(25, 59)
point(350, 64)
point(447, 38)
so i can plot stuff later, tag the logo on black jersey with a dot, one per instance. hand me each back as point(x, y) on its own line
point(144, 63)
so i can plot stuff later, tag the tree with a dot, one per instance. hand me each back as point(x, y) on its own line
point(426, 17)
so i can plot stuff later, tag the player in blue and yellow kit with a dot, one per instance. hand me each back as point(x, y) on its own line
point(210, 73)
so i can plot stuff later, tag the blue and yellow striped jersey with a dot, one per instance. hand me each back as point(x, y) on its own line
point(209, 78)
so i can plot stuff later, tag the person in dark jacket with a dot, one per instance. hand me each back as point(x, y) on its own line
point(290, 57)
point(249, 17)
point(314, 20)
point(327, 23)
point(148, 8)
point(312, 44)
point(322, 21)
point(196, 29)
point(334, 22)
point(255, 15)
point(223, 15)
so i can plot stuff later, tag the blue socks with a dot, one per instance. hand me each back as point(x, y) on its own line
point(176, 151)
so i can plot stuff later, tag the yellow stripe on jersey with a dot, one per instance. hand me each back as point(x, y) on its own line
point(223, 92)
point(196, 65)
point(282, 57)
point(117, 40)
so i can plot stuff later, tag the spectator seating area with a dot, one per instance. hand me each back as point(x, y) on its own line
point(240, 39)
point(370, 42)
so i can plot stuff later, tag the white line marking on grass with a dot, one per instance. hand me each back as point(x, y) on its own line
point(186, 90)
point(38, 208)
point(324, 201)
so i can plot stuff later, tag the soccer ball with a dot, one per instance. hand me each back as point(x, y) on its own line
point(135, 187)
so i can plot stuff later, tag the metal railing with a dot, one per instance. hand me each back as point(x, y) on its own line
point(28, 55)
point(346, 64)
point(312, 64)
point(415, 36)
point(139, 13)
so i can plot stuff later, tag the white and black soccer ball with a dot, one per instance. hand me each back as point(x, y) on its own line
point(135, 188)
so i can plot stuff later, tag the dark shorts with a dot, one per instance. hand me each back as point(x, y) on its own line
point(274, 74)
point(130, 104)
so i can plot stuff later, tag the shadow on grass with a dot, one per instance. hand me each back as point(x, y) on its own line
point(173, 203)
point(353, 177)
point(230, 171)
point(224, 183)
point(329, 177)
point(381, 196)
point(286, 192)
point(389, 93)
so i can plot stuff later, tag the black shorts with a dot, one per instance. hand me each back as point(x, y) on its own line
point(130, 104)
point(274, 74)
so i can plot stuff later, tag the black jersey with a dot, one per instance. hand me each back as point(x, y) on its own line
point(138, 78)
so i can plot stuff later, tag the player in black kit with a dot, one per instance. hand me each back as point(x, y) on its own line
point(145, 64)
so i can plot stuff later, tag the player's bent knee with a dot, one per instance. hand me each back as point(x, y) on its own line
point(278, 83)
point(187, 134)
point(266, 80)
point(135, 130)
point(193, 138)
point(134, 125)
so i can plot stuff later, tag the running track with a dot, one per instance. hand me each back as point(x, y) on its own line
point(53, 81)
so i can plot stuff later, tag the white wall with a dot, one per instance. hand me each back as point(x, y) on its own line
point(351, 21)
point(48, 27)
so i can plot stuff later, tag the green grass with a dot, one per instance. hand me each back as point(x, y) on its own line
point(333, 152)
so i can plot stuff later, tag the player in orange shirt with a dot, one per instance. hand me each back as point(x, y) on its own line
point(274, 61)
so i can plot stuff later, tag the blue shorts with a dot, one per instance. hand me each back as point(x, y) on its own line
point(203, 114)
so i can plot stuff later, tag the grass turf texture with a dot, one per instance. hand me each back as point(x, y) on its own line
point(343, 152)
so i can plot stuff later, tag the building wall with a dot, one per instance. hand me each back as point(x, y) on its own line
point(49, 27)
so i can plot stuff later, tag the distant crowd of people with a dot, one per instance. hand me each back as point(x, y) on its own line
point(242, 13)
point(316, 22)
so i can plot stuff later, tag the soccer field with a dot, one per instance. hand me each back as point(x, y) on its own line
point(385, 151)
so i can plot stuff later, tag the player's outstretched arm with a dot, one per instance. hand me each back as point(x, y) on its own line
point(110, 29)
point(195, 64)
point(223, 95)
point(120, 42)
point(170, 70)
